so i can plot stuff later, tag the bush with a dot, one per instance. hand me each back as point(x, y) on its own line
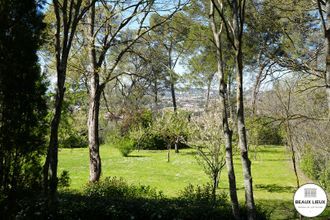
point(113, 187)
point(151, 141)
point(316, 167)
point(125, 146)
point(203, 194)
point(64, 179)
point(132, 120)
point(262, 131)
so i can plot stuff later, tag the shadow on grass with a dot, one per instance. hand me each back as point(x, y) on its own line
point(275, 188)
point(193, 153)
point(137, 156)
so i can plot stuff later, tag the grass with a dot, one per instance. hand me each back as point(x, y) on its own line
point(273, 178)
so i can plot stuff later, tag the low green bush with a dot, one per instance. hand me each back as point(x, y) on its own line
point(114, 187)
point(64, 179)
point(316, 167)
point(203, 194)
point(125, 146)
point(114, 198)
point(262, 131)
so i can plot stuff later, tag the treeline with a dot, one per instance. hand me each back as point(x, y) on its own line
point(113, 62)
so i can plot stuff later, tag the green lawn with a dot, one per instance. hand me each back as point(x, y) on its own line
point(273, 177)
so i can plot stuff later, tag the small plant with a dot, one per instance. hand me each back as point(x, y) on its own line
point(113, 187)
point(210, 147)
point(203, 195)
point(64, 179)
point(125, 146)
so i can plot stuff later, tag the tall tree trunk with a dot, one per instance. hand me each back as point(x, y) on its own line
point(230, 111)
point(246, 163)
point(327, 76)
point(93, 128)
point(227, 133)
point(209, 82)
point(156, 95)
point(50, 166)
point(293, 152)
point(176, 146)
point(172, 77)
point(95, 92)
point(255, 90)
point(173, 95)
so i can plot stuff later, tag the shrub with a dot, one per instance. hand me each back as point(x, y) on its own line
point(262, 131)
point(132, 120)
point(203, 194)
point(113, 187)
point(125, 146)
point(64, 179)
point(316, 167)
point(151, 140)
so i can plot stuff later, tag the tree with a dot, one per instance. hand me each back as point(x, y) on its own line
point(67, 15)
point(109, 37)
point(227, 132)
point(22, 97)
point(234, 30)
point(326, 29)
point(208, 142)
point(172, 38)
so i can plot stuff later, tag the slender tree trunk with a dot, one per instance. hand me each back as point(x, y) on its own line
point(246, 163)
point(255, 90)
point(230, 111)
point(176, 146)
point(50, 166)
point(93, 129)
point(227, 133)
point(173, 96)
point(208, 94)
point(172, 78)
point(327, 76)
point(95, 92)
point(293, 152)
point(156, 95)
point(215, 186)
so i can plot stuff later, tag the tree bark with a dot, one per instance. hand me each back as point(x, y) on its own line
point(256, 88)
point(209, 83)
point(246, 163)
point(171, 77)
point(176, 146)
point(50, 166)
point(95, 92)
point(327, 75)
point(293, 152)
point(227, 133)
point(93, 129)
point(173, 95)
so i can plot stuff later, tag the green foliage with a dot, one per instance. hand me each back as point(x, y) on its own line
point(151, 140)
point(125, 145)
point(73, 130)
point(262, 131)
point(203, 194)
point(64, 179)
point(135, 119)
point(22, 96)
point(165, 130)
point(172, 127)
point(316, 167)
point(114, 187)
